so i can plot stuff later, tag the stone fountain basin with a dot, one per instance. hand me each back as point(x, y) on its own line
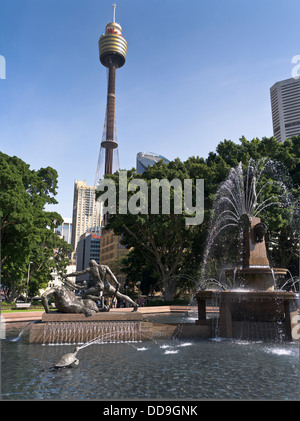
point(247, 306)
point(237, 294)
point(256, 278)
point(257, 270)
point(254, 305)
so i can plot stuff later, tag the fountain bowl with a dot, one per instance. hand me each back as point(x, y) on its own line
point(255, 277)
point(247, 314)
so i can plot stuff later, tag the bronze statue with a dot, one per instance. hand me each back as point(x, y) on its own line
point(101, 285)
point(67, 302)
point(68, 360)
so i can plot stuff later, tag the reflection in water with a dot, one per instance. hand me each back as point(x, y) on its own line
point(165, 369)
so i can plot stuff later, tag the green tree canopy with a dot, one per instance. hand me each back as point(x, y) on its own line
point(26, 229)
point(162, 240)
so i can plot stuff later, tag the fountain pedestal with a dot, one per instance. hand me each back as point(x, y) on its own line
point(254, 271)
point(77, 328)
point(251, 314)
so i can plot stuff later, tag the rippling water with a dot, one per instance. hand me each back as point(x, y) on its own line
point(165, 369)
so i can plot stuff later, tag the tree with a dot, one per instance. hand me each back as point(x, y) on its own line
point(163, 240)
point(138, 269)
point(26, 229)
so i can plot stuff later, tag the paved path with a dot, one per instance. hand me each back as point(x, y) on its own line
point(22, 316)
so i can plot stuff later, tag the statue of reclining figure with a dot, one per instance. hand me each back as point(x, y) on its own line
point(67, 302)
point(101, 284)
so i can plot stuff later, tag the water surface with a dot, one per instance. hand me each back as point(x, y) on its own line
point(164, 369)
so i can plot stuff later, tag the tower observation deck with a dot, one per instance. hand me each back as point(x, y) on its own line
point(112, 54)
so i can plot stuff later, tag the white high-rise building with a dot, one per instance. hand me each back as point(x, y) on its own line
point(285, 103)
point(65, 230)
point(86, 211)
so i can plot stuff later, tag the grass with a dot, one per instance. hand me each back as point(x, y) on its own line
point(22, 310)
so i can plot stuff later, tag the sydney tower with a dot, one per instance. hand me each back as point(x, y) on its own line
point(112, 53)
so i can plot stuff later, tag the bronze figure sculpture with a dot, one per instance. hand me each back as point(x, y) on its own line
point(66, 301)
point(99, 274)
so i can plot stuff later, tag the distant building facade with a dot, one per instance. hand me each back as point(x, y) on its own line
point(285, 103)
point(65, 230)
point(111, 248)
point(144, 159)
point(88, 248)
point(86, 211)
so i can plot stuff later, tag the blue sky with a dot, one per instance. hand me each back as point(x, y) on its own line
point(197, 72)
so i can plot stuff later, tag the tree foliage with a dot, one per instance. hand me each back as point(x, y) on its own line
point(26, 229)
point(162, 241)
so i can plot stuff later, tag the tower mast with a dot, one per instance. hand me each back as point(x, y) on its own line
point(112, 54)
point(114, 13)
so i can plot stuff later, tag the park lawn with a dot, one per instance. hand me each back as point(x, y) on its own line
point(22, 310)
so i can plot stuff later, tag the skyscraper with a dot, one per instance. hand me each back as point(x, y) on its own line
point(65, 230)
point(86, 211)
point(285, 103)
point(88, 247)
point(144, 159)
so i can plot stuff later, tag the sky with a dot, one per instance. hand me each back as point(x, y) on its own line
point(197, 72)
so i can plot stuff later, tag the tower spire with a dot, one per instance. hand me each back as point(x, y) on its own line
point(114, 12)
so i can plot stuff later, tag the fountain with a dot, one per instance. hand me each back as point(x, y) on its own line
point(79, 320)
point(253, 307)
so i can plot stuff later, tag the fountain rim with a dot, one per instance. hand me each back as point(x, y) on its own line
point(250, 294)
point(97, 317)
point(255, 269)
